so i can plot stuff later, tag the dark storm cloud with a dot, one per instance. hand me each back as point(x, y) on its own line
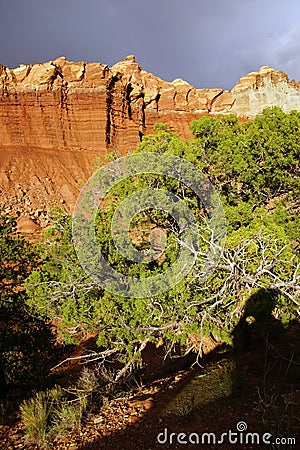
point(209, 43)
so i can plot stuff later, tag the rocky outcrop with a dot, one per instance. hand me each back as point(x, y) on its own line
point(267, 87)
point(57, 118)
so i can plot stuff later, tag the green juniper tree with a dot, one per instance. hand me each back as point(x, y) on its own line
point(254, 167)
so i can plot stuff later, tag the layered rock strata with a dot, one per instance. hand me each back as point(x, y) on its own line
point(58, 118)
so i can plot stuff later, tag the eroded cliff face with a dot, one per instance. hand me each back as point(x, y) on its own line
point(57, 118)
point(267, 87)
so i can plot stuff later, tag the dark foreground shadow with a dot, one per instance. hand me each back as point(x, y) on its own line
point(253, 387)
point(27, 353)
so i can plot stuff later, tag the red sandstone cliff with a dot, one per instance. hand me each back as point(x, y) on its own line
point(56, 118)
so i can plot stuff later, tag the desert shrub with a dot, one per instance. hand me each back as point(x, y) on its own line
point(53, 413)
point(84, 390)
point(66, 417)
point(35, 415)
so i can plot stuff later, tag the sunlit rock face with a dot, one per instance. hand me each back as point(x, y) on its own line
point(267, 87)
point(58, 118)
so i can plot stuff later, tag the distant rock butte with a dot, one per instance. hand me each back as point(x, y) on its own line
point(58, 117)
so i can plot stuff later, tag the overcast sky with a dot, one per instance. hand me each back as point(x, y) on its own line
point(210, 43)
